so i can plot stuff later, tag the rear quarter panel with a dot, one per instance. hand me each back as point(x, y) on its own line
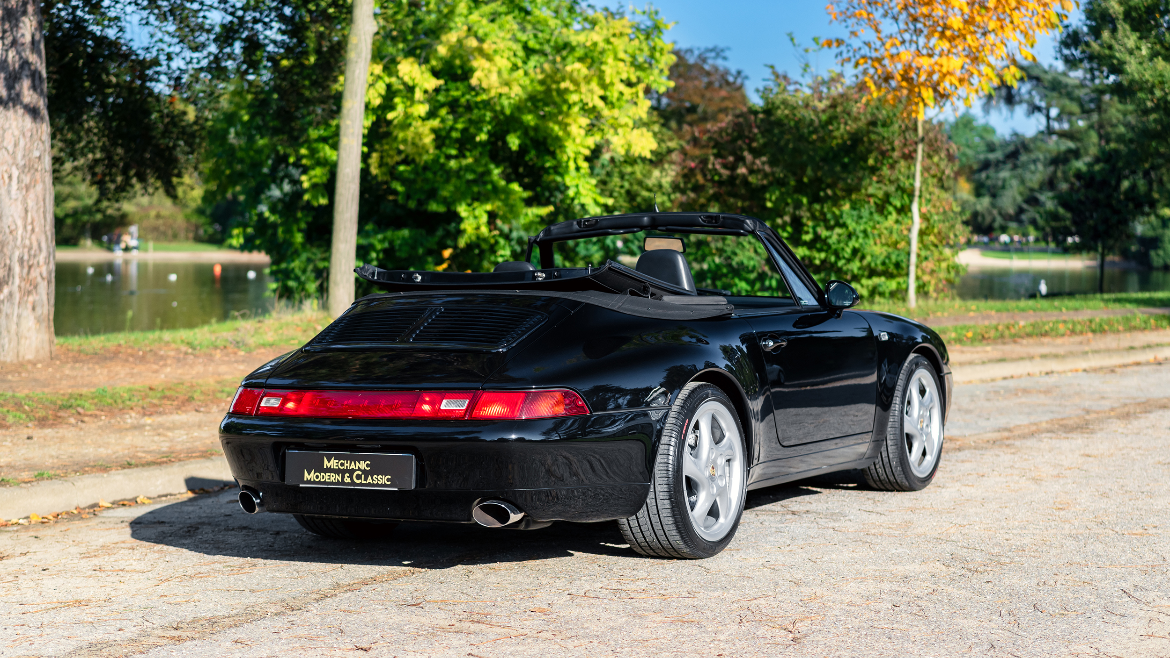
point(620, 362)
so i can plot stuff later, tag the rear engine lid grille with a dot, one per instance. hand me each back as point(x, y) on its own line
point(388, 324)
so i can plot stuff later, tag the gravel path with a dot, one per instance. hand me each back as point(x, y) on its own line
point(1047, 542)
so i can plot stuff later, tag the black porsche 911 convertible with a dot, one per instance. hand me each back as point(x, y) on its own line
point(698, 359)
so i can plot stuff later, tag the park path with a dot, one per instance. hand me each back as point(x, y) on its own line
point(1044, 534)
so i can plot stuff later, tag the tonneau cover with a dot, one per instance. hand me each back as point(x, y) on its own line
point(693, 308)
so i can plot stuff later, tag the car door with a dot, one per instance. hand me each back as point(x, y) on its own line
point(821, 365)
point(821, 370)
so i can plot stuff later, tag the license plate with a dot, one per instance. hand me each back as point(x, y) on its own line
point(352, 470)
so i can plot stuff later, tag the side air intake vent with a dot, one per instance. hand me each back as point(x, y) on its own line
point(396, 325)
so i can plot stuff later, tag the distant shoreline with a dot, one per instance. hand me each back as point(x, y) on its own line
point(211, 256)
point(974, 258)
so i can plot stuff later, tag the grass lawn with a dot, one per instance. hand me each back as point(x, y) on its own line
point(144, 245)
point(939, 307)
point(1035, 255)
point(19, 408)
point(290, 329)
point(158, 246)
point(978, 334)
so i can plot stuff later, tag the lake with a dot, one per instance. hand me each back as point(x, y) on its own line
point(102, 295)
point(1007, 283)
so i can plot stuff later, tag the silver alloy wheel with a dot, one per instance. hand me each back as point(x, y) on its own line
point(713, 471)
point(922, 423)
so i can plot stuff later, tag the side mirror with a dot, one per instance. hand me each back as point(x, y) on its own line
point(841, 295)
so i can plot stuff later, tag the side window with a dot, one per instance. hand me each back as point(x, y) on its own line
point(737, 266)
point(802, 293)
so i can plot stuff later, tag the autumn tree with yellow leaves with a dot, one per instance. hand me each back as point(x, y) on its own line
point(923, 54)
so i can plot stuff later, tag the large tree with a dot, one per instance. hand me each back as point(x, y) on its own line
point(929, 53)
point(26, 187)
point(349, 157)
point(483, 118)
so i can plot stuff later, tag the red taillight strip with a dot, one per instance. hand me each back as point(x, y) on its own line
point(439, 405)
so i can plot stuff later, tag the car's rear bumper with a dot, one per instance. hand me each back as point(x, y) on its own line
point(588, 468)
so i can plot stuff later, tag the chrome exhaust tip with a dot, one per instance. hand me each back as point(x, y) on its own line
point(251, 503)
point(496, 514)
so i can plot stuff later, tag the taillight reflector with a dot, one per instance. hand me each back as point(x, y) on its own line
point(245, 401)
point(449, 405)
point(366, 404)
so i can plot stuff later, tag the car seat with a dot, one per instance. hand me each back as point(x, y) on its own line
point(667, 265)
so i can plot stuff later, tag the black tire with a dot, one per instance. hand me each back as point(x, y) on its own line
point(893, 469)
point(341, 528)
point(664, 526)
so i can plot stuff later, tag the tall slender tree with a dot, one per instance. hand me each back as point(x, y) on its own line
point(26, 186)
point(929, 53)
point(349, 157)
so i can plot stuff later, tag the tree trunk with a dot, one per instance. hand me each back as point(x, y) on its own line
point(349, 158)
point(1101, 269)
point(26, 187)
point(915, 222)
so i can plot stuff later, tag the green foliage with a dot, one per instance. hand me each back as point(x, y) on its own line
point(117, 119)
point(482, 120)
point(832, 172)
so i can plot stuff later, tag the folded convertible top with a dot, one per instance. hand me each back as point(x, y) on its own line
point(613, 286)
point(671, 307)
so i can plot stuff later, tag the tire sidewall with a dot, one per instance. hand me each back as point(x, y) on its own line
point(897, 430)
point(686, 410)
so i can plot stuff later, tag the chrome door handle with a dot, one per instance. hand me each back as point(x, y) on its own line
point(773, 344)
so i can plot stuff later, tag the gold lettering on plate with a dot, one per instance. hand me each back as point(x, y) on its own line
point(314, 476)
point(357, 476)
point(362, 478)
point(345, 464)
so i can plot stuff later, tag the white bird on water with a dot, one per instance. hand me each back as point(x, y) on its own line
point(1043, 288)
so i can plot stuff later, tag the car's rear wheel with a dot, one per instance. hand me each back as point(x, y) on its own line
point(914, 437)
point(341, 528)
point(699, 480)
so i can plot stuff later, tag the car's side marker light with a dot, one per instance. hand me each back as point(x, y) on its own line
point(446, 405)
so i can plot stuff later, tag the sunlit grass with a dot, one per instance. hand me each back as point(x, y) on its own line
point(21, 408)
point(948, 307)
point(281, 329)
point(1034, 255)
point(976, 334)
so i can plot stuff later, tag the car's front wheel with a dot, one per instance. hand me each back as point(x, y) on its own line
point(341, 528)
point(699, 480)
point(914, 436)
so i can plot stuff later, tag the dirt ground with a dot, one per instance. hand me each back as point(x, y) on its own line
point(99, 445)
point(1045, 539)
point(1034, 348)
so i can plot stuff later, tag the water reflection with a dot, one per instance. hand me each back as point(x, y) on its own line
point(100, 297)
point(1006, 283)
